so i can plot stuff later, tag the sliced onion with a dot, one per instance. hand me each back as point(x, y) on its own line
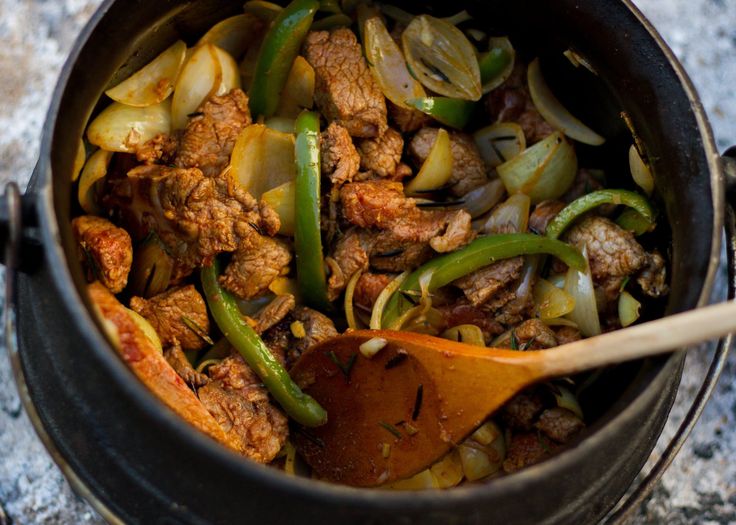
point(349, 306)
point(567, 400)
point(544, 171)
point(282, 124)
point(388, 65)
point(298, 92)
point(264, 10)
point(200, 78)
point(554, 112)
point(247, 65)
point(640, 171)
point(282, 199)
point(383, 297)
point(152, 269)
point(511, 216)
point(476, 463)
point(437, 168)
point(560, 321)
point(79, 160)
point(448, 472)
point(465, 333)
point(423, 480)
point(290, 460)
point(500, 142)
point(416, 319)
point(125, 128)
point(396, 13)
point(263, 159)
point(146, 328)
point(497, 64)
point(230, 73)
point(557, 279)
point(552, 302)
point(458, 18)
point(250, 307)
point(577, 60)
point(442, 58)
point(585, 314)
point(628, 309)
point(235, 34)
point(480, 200)
point(154, 82)
point(94, 170)
point(372, 346)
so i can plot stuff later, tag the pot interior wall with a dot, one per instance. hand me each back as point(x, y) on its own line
point(633, 76)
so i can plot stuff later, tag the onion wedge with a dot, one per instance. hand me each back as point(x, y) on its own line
point(230, 73)
point(200, 78)
point(628, 309)
point(388, 65)
point(499, 143)
point(235, 34)
point(298, 93)
point(437, 167)
point(554, 112)
point(281, 199)
point(94, 170)
point(580, 286)
point(263, 159)
point(125, 128)
point(154, 82)
point(640, 171)
point(79, 160)
point(551, 301)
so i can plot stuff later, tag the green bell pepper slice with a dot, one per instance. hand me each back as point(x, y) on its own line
point(592, 200)
point(479, 253)
point(299, 406)
point(451, 112)
point(278, 51)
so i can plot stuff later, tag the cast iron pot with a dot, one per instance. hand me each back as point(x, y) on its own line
point(136, 462)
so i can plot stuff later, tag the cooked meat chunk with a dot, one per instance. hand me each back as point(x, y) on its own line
point(210, 135)
point(522, 410)
point(567, 334)
point(382, 155)
point(407, 120)
point(559, 424)
point(511, 102)
point(526, 449)
point(150, 366)
point(255, 266)
point(462, 312)
point(178, 315)
point(653, 278)
point(350, 255)
point(532, 334)
point(543, 214)
point(390, 254)
point(345, 90)
point(274, 312)
point(161, 149)
point(340, 160)
point(105, 249)
point(239, 402)
point(613, 253)
point(179, 362)
point(317, 328)
point(483, 284)
point(468, 168)
point(369, 287)
point(196, 217)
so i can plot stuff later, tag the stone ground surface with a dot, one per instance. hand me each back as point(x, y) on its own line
point(36, 35)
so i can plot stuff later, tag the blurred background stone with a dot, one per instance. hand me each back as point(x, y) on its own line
point(36, 36)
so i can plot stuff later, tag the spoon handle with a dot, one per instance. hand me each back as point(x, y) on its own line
point(647, 339)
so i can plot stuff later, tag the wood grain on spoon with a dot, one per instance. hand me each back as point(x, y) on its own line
point(396, 413)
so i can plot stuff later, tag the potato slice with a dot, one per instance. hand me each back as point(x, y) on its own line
point(263, 159)
point(235, 34)
point(94, 170)
point(153, 82)
point(299, 90)
point(282, 199)
point(230, 73)
point(124, 128)
point(200, 78)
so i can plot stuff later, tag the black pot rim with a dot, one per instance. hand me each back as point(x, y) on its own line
point(335, 494)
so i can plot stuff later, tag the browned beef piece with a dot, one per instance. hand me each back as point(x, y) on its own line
point(179, 362)
point(462, 312)
point(369, 287)
point(161, 149)
point(345, 90)
point(210, 135)
point(390, 254)
point(511, 102)
point(350, 255)
point(526, 449)
point(653, 278)
point(407, 120)
point(274, 312)
point(105, 250)
point(468, 168)
point(543, 214)
point(382, 155)
point(254, 266)
point(567, 334)
point(317, 327)
point(340, 159)
point(150, 366)
point(532, 334)
point(522, 410)
point(239, 402)
point(177, 315)
point(279, 339)
point(196, 217)
point(559, 424)
point(483, 284)
point(613, 252)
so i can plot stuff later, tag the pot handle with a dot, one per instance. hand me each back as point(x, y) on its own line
point(636, 497)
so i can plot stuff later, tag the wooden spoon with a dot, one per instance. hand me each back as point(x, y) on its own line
point(393, 415)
